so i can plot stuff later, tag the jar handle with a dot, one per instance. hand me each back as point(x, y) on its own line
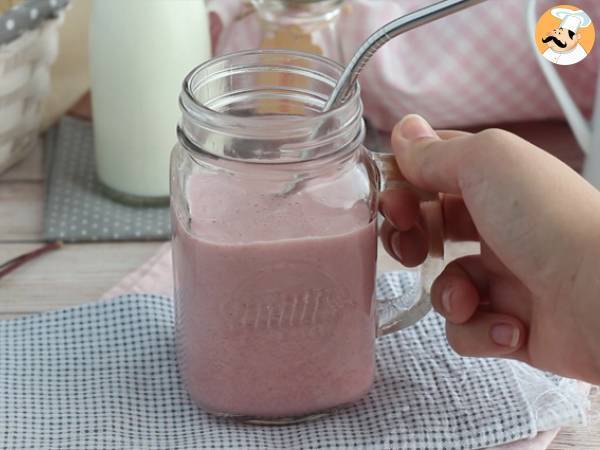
point(393, 314)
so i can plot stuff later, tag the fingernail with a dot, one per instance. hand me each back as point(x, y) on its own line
point(447, 299)
point(414, 127)
point(505, 335)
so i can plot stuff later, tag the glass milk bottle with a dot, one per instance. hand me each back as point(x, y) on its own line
point(305, 25)
point(140, 52)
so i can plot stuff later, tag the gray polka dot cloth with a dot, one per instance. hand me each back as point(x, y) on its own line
point(104, 377)
point(27, 16)
point(76, 210)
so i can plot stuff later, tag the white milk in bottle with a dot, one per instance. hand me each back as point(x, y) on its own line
point(141, 50)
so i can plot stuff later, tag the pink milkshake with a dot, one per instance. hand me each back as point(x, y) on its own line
point(275, 311)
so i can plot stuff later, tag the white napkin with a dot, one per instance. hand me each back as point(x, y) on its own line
point(104, 376)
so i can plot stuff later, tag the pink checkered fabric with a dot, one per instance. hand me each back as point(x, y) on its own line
point(476, 67)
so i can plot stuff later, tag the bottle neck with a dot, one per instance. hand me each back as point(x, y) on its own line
point(298, 12)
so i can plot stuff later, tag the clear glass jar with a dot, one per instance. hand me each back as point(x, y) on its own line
point(304, 25)
point(274, 286)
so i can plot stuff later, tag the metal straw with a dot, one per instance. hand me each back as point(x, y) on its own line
point(382, 36)
point(347, 80)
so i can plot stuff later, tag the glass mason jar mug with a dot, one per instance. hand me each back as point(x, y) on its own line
point(274, 209)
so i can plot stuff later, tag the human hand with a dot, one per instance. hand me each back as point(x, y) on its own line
point(533, 292)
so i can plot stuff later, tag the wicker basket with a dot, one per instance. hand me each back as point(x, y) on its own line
point(24, 82)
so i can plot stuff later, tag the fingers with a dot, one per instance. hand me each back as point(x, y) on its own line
point(409, 247)
point(402, 235)
point(521, 200)
point(451, 134)
point(400, 207)
point(488, 334)
point(386, 233)
point(458, 224)
point(473, 327)
point(460, 289)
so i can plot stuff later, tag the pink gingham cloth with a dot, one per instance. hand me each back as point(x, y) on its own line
point(155, 277)
point(475, 67)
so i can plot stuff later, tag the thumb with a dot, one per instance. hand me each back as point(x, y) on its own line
point(426, 160)
point(527, 205)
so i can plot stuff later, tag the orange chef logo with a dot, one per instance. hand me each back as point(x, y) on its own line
point(565, 35)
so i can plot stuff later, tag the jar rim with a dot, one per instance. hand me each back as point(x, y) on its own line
point(224, 81)
point(191, 105)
